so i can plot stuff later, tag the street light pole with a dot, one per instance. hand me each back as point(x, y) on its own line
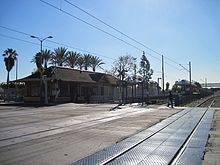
point(41, 41)
point(41, 77)
point(41, 45)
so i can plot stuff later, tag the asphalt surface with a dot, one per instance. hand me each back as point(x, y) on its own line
point(65, 133)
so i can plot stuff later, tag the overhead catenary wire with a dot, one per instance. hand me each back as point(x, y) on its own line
point(110, 26)
point(81, 20)
point(24, 33)
point(104, 31)
point(55, 7)
point(18, 39)
point(57, 43)
point(26, 41)
point(119, 31)
point(10, 29)
point(79, 49)
point(90, 25)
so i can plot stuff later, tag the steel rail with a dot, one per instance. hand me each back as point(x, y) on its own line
point(138, 143)
point(149, 136)
point(182, 149)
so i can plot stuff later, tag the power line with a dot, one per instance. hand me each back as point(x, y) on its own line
point(10, 29)
point(82, 50)
point(14, 30)
point(81, 20)
point(49, 4)
point(18, 39)
point(58, 43)
point(110, 26)
point(11, 37)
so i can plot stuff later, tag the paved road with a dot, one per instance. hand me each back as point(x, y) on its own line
point(68, 132)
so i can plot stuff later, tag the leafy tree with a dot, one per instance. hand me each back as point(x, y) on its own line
point(146, 73)
point(9, 59)
point(96, 62)
point(145, 69)
point(59, 56)
point(71, 59)
point(87, 60)
point(46, 56)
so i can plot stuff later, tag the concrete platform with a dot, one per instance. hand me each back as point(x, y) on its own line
point(65, 133)
point(179, 139)
point(212, 152)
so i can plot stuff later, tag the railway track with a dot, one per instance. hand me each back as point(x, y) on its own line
point(179, 139)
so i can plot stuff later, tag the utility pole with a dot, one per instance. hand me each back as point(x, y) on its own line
point(206, 83)
point(190, 74)
point(162, 73)
point(188, 70)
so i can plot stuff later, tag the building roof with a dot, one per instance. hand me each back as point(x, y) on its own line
point(72, 75)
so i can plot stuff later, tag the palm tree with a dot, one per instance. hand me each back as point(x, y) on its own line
point(59, 56)
point(87, 61)
point(71, 59)
point(80, 62)
point(96, 62)
point(10, 57)
point(46, 56)
point(38, 60)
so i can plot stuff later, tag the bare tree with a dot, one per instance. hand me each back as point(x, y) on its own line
point(123, 66)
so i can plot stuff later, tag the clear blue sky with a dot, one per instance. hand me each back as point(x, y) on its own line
point(182, 30)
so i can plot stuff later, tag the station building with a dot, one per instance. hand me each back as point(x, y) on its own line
point(70, 85)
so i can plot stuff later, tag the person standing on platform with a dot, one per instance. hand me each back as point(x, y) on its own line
point(170, 99)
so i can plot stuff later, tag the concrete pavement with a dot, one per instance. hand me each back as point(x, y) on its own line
point(65, 133)
point(212, 152)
